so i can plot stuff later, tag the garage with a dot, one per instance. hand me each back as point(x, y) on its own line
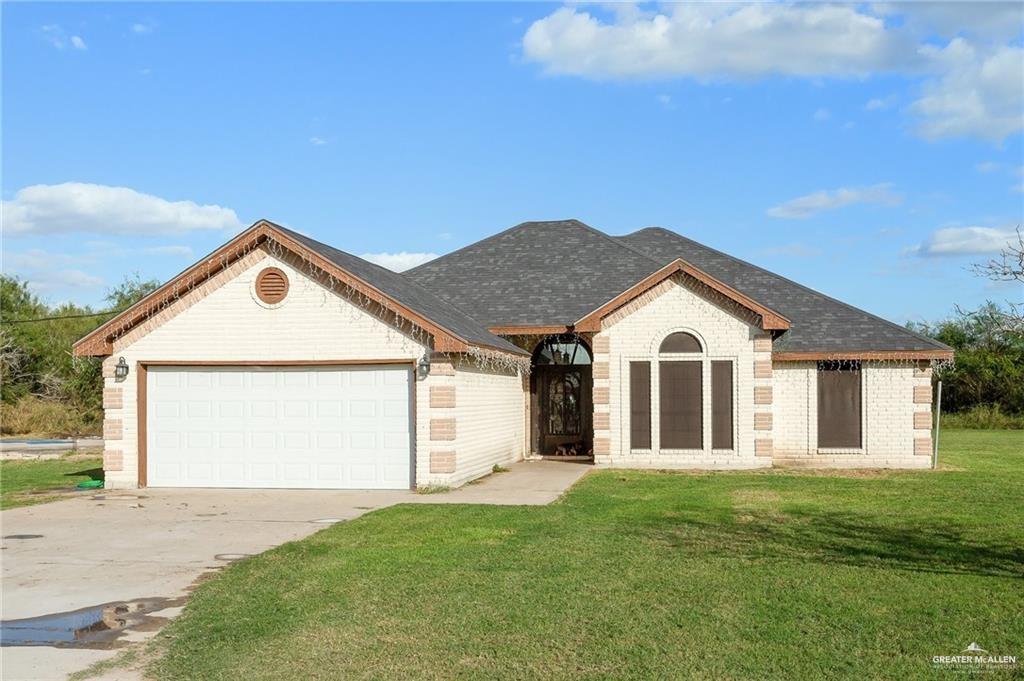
point(305, 427)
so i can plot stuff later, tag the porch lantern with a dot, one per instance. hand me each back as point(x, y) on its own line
point(423, 366)
point(121, 369)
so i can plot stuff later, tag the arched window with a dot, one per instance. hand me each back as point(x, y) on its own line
point(680, 341)
point(561, 351)
point(681, 395)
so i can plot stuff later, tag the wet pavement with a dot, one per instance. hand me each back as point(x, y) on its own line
point(97, 627)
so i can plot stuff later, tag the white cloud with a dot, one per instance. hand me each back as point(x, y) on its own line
point(398, 262)
point(317, 141)
point(101, 209)
point(809, 205)
point(715, 40)
point(78, 43)
point(987, 167)
point(45, 281)
point(55, 35)
point(179, 251)
point(822, 115)
point(979, 95)
point(665, 101)
point(879, 103)
point(971, 87)
point(965, 241)
point(143, 27)
point(986, 20)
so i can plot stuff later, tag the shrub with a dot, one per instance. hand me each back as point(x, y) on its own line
point(31, 415)
point(983, 417)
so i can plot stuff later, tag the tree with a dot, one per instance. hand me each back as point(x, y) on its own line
point(130, 291)
point(1007, 266)
point(36, 362)
point(989, 366)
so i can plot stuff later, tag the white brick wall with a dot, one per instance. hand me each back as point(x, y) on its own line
point(489, 412)
point(312, 323)
point(888, 406)
point(636, 334)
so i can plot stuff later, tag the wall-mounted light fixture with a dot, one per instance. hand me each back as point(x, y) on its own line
point(423, 366)
point(121, 369)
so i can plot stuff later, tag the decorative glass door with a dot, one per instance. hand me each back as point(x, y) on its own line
point(563, 403)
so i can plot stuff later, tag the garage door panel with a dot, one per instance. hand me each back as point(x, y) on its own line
point(309, 427)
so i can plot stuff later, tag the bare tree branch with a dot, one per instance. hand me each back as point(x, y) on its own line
point(1009, 266)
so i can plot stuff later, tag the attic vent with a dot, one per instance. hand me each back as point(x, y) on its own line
point(271, 285)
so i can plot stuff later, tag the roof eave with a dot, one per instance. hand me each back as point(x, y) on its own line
point(99, 342)
point(905, 355)
point(770, 319)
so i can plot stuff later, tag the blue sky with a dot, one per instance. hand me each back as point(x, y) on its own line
point(870, 152)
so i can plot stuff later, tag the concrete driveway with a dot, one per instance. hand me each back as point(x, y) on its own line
point(149, 546)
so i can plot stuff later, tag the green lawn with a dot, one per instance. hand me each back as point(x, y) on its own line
point(641, 575)
point(28, 482)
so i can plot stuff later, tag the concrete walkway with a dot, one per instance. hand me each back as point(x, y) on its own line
point(152, 544)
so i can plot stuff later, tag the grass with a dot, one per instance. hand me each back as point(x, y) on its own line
point(27, 482)
point(743, 575)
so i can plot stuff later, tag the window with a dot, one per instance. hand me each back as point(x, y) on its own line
point(561, 351)
point(681, 404)
point(640, 405)
point(839, 400)
point(680, 342)
point(721, 404)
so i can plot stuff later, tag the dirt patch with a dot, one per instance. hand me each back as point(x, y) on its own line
point(755, 504)
point(860, 473)
point(755, 497)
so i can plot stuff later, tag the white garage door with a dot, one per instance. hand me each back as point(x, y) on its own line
point(300, 427)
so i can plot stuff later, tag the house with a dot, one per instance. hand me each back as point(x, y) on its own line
point(279, 361)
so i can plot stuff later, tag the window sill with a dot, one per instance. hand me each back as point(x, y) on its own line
point(840, 450)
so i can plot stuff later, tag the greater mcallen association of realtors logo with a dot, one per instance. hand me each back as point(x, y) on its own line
point(973, 659)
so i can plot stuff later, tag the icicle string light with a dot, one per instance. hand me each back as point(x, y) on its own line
point(413, 337)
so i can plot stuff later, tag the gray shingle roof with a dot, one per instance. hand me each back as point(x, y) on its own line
point(818, 323)
point(537, 273)
point(409, 293)
point(554, 273)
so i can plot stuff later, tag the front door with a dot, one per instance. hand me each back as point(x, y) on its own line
point(564, 410)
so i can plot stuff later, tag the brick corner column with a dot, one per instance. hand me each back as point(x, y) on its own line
point(922, 406)
point(602, 417)
point(764, 421)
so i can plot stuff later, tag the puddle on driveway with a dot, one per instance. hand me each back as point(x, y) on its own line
point(98, 626)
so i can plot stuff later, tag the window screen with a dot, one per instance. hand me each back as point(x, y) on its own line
point(639, 405)
point(839, 401)
point(681, 405)
point(721, 405)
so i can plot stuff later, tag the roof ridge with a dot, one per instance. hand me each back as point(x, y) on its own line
point(486, 240)
point(615, 240)
point(799, 285)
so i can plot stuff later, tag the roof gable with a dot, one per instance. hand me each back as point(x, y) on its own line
point(451, 328)
point(819, 324)
point(769, 319)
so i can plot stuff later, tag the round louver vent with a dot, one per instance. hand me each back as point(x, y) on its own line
point(272, 285)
